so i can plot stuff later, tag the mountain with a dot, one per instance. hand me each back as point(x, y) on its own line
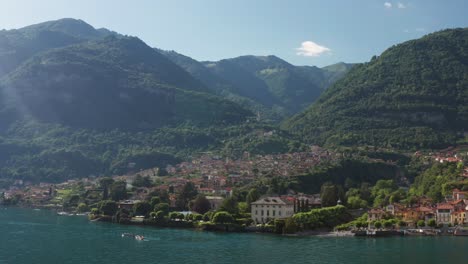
point(18, 45)
point(264, 84)
point(76, 101)
point(415, 95)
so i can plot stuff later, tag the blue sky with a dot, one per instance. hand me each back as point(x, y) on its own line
point(303, 32)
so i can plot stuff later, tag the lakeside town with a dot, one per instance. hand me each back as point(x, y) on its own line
point(191, 194)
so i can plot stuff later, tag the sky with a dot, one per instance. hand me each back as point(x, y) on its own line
point(303, 32)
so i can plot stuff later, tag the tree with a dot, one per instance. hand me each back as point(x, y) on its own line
point(401, 223)
point(118, 190)
point(329, 194)
point(355, 202)
point(421, 223)
point(105, 184)
point(140, 181)
point(223, 218)
point(387, 224)
point(163, 207)
point(188, 193)
point(243, 207)
point(207, 216)
point(432, 223)
point(378, 224)
point(252, 196)
point(229, 205)
point(176, 215)
point(141, 208)
point(82, 207)
point(290, 226)
point(154, 201)
point(200, 205)
point(108, 207)
point(162, 172)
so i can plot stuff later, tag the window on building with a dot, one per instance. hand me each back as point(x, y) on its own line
point(262, 212)
point(268, 212)
point(279, 213)
point(274, 212)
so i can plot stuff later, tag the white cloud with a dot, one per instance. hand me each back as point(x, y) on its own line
point(311, 49)
point(401, 5)
point(387, 5)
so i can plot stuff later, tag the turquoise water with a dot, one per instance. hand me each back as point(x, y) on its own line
point(29, 236)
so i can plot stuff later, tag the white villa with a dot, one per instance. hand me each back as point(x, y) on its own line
point(269, 208)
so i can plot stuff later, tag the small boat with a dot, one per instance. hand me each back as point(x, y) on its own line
point(128, 235)
point(63, 213)
point(139, 238)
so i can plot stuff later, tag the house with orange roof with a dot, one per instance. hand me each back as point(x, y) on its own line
point(444, 213)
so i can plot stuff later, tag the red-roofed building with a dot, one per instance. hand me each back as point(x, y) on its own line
point(444, 213)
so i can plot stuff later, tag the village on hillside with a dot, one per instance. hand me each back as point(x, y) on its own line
point(216, 178)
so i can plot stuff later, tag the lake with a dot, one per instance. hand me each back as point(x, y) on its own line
point(32, 236)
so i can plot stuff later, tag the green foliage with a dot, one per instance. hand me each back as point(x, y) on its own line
point(161, 207)
point(436, 181)
point(82, 208)
point(118, 190)
point(432, 223)
point(140, 181)
point(290, 226)
point(378, 224)
point(356, 170)
point(421, 223)
point(200, 205)
point(229, 205)
point(252, 196)
point(141, 208)
point(327, 217)
point(154, 201)
point(223, 218)
point(330, 194)
point(264, 84)
point(107, 207)
point(412, 96)
point(188, 193)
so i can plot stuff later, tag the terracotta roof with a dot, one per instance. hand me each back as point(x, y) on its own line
point(376, 211)
point(445, 206)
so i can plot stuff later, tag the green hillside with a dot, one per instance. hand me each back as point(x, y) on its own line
point(415, 95)
point(266, 85)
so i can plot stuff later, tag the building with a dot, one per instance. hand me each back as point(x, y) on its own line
point(375, 214)
point(443, 213)
point(268, 208)
point(215, 201)
point(458, 195)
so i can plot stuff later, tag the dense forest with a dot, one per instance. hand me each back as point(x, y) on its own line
point(414, 95)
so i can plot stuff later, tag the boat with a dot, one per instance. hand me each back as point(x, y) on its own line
point(128, 235)
point(63, 213)
point(139, 238)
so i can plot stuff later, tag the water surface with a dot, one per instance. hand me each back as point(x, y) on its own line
point(31, 236)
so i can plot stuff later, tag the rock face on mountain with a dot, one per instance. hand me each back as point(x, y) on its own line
point(415, 95)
